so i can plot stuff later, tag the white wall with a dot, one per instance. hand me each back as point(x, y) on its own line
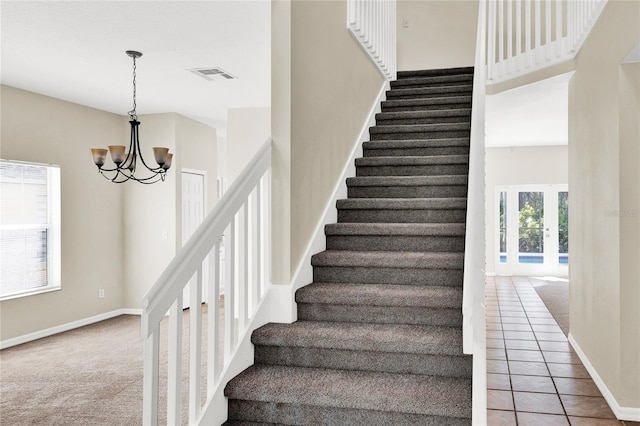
point(46, 130)
point(519, 166)
point(440, 33)
point(605, 200)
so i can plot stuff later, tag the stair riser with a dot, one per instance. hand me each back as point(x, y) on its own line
point(451, 317)
point(435, 72)
point(422, 120)
point(427, 92)
point(426, 170)
point(430, 191)
point(420, 135)
point(408, 276)
point(414, 152)
point(402, 216)
point(291, 414)
point(391, 362)
point(396, 243)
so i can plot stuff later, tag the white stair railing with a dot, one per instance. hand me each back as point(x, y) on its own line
point(528, 35)
point(240, 219)
point(373, 24)
point(473, 309)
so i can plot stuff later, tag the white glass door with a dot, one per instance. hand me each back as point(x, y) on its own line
point(532, 230)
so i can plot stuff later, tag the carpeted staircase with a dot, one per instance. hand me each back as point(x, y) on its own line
point(378, 339)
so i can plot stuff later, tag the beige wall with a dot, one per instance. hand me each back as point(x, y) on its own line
point(46, 130)
point(603, 177)
point(152, 213)
point(149, 215)
point(281, 89)
point(319, 106)
point(114, 237)
point(247, 130)
point(519, 166)
point(441, 33)
point(196, 146)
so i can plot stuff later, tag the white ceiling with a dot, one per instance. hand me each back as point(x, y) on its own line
point(74, 50)
point(531, 115)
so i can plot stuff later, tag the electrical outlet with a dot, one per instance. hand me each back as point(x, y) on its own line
point(101, 293)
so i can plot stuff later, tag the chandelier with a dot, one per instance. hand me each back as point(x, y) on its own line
point(127, 162)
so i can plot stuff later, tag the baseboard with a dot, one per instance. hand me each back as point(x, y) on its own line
point(304, 272)
point(621, 413)
point(25, 338)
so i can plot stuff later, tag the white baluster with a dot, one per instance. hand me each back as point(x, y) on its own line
point(491, 67)
point(266, 262)
point(243, 296)
point(150, 381)
point(501, 37)
point(195, 346)
point(547, 35)
point(538, 31)
point(559, 20)
point(519, 55)
point(256, 242)
point(527, 33)
point(510, 61)
point(213, 315)
point(229, 289)
point(174, 364)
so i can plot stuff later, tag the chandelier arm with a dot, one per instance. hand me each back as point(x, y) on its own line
point(156, 170)
point(126, 176)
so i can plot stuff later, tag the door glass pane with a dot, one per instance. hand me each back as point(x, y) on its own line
point(503, 227)
point(531, 227)
point(563, 227)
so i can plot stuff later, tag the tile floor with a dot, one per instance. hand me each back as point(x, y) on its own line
point(533, 375)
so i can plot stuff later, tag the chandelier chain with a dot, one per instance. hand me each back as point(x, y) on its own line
point(133, 113)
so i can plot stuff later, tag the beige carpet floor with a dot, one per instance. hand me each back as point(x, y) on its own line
point(88, 376)
point(555, 295)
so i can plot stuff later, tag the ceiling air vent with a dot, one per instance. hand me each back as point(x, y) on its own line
point(213, 74)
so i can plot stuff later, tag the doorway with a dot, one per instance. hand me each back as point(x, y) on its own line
point(193, 210)
point(533, 232)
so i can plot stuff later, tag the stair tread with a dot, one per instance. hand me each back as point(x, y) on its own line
point(398, 338)
point(388, 295)
point(438, 113)
point(388, 259)
point(419, 128)
point(402, 203)
point(462, 87)
point(433, 100)
point(404, 393)
point(417, 160)
point(434, 72)
point(407, 180)
point(432, 80)
point(400, 229)
point(415, 143)
point(419, 91)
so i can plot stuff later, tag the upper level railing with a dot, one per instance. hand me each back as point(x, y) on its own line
point(373, 24)
point(236, 232)
point(527, 35)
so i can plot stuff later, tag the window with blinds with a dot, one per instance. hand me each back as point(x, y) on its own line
point(29, 228)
